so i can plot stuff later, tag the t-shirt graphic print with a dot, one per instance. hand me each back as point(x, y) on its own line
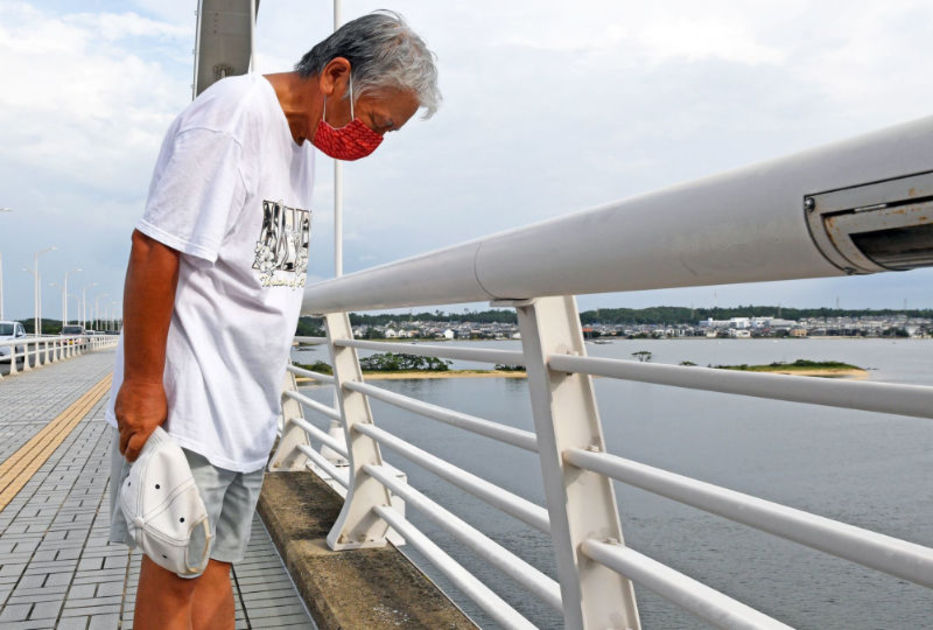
point(282, 247)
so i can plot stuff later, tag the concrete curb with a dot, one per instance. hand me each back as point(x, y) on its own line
point(364, 588)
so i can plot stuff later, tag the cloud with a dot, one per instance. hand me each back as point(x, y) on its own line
point(86, 100)
point(80, 90)
point(550, 107)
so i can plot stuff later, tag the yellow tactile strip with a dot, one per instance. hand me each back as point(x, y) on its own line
point(19, 468)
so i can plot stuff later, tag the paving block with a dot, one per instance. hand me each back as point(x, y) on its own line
point(104, 622)
point(16, 612)
point(73, 623)
point(12, 569)
point(106, 589)
point(82, 591)
point(45, 610)
point(57, 579)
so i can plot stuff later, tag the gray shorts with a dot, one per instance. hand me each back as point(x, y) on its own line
point(229, 496)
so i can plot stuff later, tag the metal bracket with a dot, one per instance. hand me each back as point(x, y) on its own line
point(510, 303)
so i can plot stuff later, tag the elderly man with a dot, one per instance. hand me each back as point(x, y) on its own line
point(213, 285)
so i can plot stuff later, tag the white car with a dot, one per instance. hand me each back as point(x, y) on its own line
point(8, 332)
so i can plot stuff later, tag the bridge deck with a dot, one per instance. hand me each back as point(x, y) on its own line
point(56, 567)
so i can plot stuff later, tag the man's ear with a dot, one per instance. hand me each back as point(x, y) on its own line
point(335, 77)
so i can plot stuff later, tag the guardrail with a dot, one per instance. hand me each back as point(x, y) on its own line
point(857, 207)
point(34, 352)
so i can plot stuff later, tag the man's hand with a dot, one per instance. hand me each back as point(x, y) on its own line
point(140, 408)
point(148, 300)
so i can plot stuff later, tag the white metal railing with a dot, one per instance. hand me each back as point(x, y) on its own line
point(27, 353)
point(811, 215)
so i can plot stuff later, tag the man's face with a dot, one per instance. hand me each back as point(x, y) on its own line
point(382, 111)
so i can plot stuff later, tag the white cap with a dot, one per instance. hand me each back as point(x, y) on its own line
point(164, 512)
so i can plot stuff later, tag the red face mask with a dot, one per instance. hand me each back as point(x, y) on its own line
point(350, 142)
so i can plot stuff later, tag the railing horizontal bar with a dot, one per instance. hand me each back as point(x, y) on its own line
point(42, 340)
point(310, 341)
point(320, 435)
point(897, 557)
point(695, 597)
point(510, 503)
point(472, 587)
point(321, 461)
point(494, 553)
point(742, 226)
point(323, 378)
point(321, 408)
point(494, 430)
point(481, 355)
point(908, 400)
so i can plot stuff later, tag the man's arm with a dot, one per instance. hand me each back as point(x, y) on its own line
point(148, 301)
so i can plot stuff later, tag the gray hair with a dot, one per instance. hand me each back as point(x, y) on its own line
point(383, 53)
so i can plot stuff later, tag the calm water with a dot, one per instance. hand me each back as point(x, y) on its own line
point(867, 469)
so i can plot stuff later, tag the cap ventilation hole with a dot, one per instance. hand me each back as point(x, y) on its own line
point(158, 486)
point(181, 520)
point(164, 556)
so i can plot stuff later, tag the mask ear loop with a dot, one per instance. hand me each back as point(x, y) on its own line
point(252, 36)
point(352, 115)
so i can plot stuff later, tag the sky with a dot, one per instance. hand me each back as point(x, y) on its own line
point(549, 107)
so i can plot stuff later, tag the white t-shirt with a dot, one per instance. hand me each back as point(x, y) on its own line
point(231, 192)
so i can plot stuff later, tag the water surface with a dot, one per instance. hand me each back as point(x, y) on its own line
point(868, 469)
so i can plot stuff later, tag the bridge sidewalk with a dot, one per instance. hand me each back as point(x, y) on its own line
point(57, 569)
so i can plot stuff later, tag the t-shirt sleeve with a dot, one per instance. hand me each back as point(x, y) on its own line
point(196, 187)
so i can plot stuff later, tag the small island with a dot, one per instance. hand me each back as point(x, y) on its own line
point(390, 366)
point(803, 367)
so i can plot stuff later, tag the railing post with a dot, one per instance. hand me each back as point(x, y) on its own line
point(358, 525)
point(287, 456)
point(13, 369)
point(26, 366)
point(581, 504)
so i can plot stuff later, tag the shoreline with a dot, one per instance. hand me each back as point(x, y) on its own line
point(847, 373)
point(422, 375)
point(611, 340)
point(850, 373)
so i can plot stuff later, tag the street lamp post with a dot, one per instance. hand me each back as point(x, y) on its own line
point(1, 272)
point(97, 310)
point(84, 303)
point(38, 295)
point(65, 296)
point(35, 275)
point(77, 299)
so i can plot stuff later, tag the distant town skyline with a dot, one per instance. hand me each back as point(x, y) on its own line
point(599, 101)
